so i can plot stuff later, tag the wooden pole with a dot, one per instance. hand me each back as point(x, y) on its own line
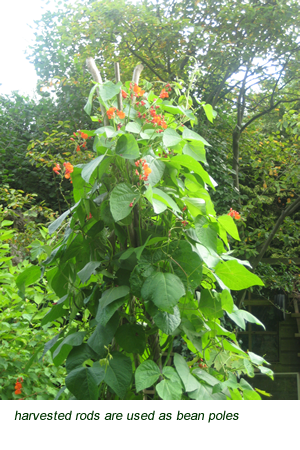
point(91, 65)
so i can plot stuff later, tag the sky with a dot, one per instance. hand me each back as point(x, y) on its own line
point(16, 73)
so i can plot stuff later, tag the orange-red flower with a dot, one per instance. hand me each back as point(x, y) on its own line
point(77, 148)
point(18, 386)
point(163, 94)
point(111, 112)
point(84, 135)
point(120, 114)
point(138, 91)
point(56, 169)
point(68, 169)
point(234, 214)
point(124, 94)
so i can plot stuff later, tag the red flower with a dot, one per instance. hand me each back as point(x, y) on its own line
point(163, 94)
point(77, 148)
point(18, 386)
point(124, 94)
point(138, 91)
point(120, 114)
point(111, 112)
point(89, 216)
point(56, 169)
point(184, 223)
point(84, 135)
point(68, 169)
point(131, 204)
point(234, 214)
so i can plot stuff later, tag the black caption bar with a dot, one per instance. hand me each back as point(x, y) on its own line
point(141, 416)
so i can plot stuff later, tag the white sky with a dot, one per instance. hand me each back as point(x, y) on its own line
point(16, 73)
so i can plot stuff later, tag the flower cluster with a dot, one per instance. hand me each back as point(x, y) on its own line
point(80, 135)
point(18, 386)
point(111, 113)
point(139, 92)
point(68, 169)
point(234, 214)
point(145, 168)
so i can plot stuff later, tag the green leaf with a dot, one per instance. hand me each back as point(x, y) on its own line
point(160, 195)
point(104, 314)
point(196, 150)
point(157, 168)
point(228, 224)
point(210, 305)
point(103, 335)
point(57, 223)
point(146, 375)
point(112, 294)
point(206, 233)
point(239, 316)
point(88, 106)
point(131, 338)
point(89, 168)
point(235, 276)
point(166, 322)
point(133, 127)
point(55, 312)
point(251, 395)
point(120, 199)
point(127, 147)
point(164, 290)
point(209, 112)
point(85, 273)
point(78, 356)
point(169, 390)
point(64, 348)
point(258, 360)
point(119, 374)
point(186, 264)
point(83, 382)
point(171, 138)
point(190, 382)
point(108, 90)
point(29, 276)
point(192, 136)
point(195, 206)
point(227, 301)
point(204, 376)
point(193, 166)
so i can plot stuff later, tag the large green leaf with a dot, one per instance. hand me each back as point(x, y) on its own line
point(196, 150)
point(166, 322)
point(160, 195)
point(64, 348)
point(157, 168)
point(235, 276)
point(146, 375)
point(57, 223)
point(131, 338)
point(164, 290)
point(195, 206)
point(210, 305)
point(121, 198)
point(78, 355)
point(119, 373)
point(56, 311)
point(112, 294)
point(206, 233)
point(171, 138)
point(190, 382)
point(29, 276)
point(103, 335)
point(169, 390)
point(240, 317)
point(192, 136)
point(89, 168)
point(186, 264)
point(108, 90)
point(85, 273)
point(104, 314)
point(193, 166)
point(127, 147)
point(83, 382)
point(228, 224)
